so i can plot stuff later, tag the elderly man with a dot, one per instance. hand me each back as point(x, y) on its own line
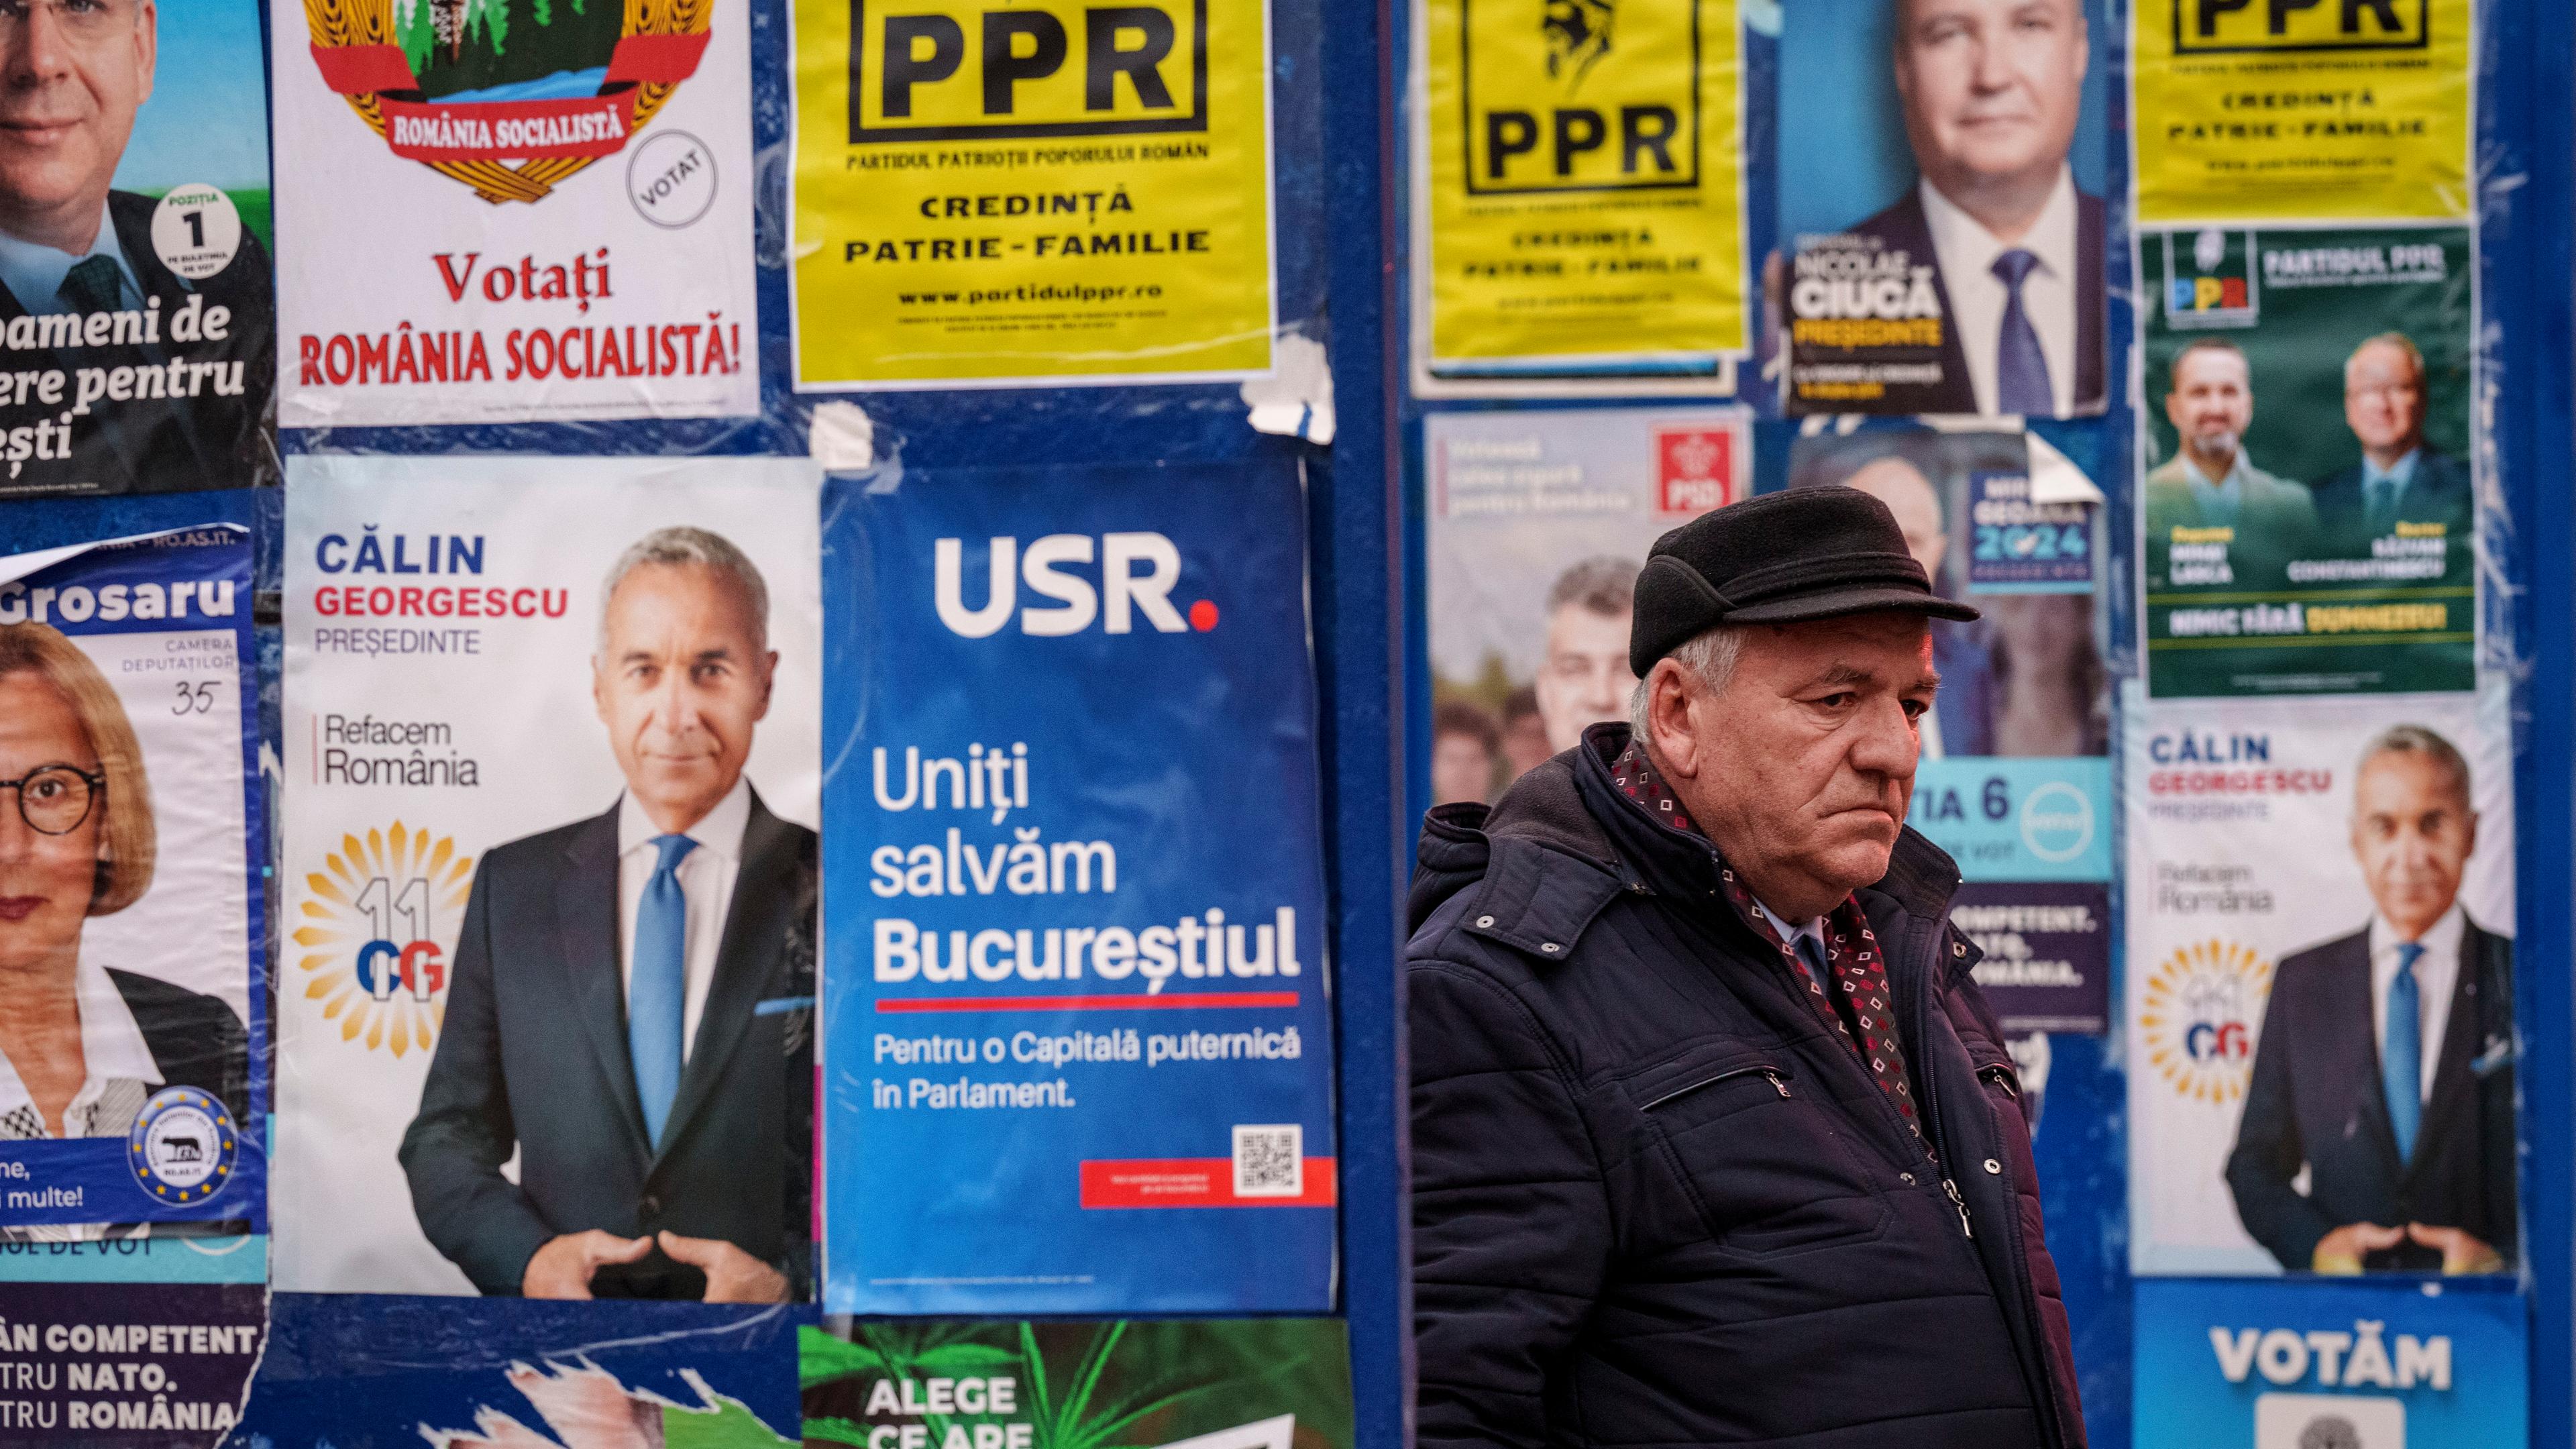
point(2399, 479)
point(1584, 678)
point(2385, 1071)
point(2209, 483)
point(625, 1009)
point(1992, 91)
point(1714, 1139)
point(73, 74)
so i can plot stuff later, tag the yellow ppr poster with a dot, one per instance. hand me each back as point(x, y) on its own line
point(2302, 110)
point(1030, 191)
point(1584, 204)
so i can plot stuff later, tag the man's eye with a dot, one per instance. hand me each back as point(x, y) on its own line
point(1835, 701)
point(1916, 709)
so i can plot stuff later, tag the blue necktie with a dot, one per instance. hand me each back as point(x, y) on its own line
point(2021, 369)
point(657, 992)
point(2401, 1065)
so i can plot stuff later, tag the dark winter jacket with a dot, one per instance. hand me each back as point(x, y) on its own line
point(1658, 1203)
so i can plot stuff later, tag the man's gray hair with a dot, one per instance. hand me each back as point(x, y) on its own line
point(678, 546)
point(2413, 739)
point(1709, 656)
point(1603, 584)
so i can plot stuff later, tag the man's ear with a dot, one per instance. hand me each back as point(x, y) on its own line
point(599, 687)
point(768, 684)
point(147, 44)
point(1668, 727)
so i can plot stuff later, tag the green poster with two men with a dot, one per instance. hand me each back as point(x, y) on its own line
point(2308, 513)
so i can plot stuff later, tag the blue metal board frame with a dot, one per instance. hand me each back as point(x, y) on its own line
point(2528, 208)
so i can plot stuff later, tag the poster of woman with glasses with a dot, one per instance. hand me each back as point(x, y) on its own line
point(132, 1032)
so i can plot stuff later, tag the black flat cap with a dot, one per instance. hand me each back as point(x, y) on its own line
point(1780, 558)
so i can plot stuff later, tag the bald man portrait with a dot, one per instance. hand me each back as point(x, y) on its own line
point(1992, 91)
point(630, 1006)
point(73, 76)
point(2400, 479)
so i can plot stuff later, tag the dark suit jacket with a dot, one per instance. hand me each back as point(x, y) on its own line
point(2438, 492)
point(150, 445)
point(1966, 703)
point(197, 1041)
point(2316, 1101)
point(1903, 227)
point(533, 1057)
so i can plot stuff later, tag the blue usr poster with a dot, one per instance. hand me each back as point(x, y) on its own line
point(1076, 1051)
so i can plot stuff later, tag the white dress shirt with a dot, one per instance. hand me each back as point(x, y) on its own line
point(2437, 972)
point(1789, 936)
point(119, 1077)
point(707, 875)
point(1967, 252)
point(34, 272)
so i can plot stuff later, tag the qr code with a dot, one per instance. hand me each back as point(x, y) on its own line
point(1270, 1161)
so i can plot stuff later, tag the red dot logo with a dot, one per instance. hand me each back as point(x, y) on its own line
point(1203, 615)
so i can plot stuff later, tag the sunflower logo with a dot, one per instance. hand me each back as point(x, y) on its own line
point(376, 925)
point(2199, 1017)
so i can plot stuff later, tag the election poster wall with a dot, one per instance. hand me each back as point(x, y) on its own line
point(2320, 985)
point(1951, 258)
point(2293, 113)
point(2308, 511)
point(513, 212)
point(1036, 193)
point(129, 758)
point(1578, 191)
point(1077, 1050)
point(550, 782)
point(2304, 1365)
point(1257, 1383)
point(2014, 780)
point(1538, 523)
point(137, 317)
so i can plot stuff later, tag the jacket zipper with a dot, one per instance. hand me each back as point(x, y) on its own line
point(1777, 1078)
point(1960, 1203)
point(2001, 1077)
point(2045, 1390)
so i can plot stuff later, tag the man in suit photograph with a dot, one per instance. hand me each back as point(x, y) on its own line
point(2399, 478)
point(72, 78)
point(1962, 718)
point(628, 1005)
point(2210, 482)
point(2385, 1068)
point(1991, 92)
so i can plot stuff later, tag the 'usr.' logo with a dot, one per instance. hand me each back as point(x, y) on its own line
point(2206, 27)
point(1579, 95)
point(950, 70)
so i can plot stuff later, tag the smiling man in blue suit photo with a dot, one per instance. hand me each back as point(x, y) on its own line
point(2385, 1069)
point(632, 993)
